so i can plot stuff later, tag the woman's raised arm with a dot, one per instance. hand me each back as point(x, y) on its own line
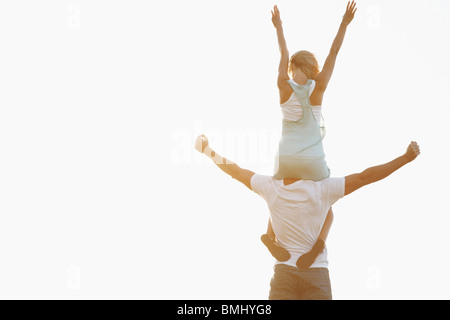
point(284, 61)
point(325, 75)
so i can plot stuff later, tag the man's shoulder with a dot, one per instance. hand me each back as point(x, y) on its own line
point(260, 183)
point(262, 178)
point(334, 186)
point(331, 180)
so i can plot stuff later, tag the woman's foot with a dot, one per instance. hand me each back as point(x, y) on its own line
point(277, 251)
point(305, 261)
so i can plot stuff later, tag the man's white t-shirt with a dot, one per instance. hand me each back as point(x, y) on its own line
point(298, 212)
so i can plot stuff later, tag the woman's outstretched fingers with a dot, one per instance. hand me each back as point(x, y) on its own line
point(354, 8)
point(349, 13)
point(351, 7)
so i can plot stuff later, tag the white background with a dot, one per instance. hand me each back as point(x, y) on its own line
point(103, 196)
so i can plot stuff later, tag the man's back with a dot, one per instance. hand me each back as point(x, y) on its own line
point(298, 212)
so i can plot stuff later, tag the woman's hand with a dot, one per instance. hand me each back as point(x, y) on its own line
point(349, 13)
point(276, 19)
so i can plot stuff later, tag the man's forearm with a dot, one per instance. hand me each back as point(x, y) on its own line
point(233, 170)
point(380, 172)
point(224, 164)
point(356, 181)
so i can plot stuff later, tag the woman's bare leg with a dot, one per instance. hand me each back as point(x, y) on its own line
point(327, 226)
point(270, 231)
point(277, 251)
point(306, 260)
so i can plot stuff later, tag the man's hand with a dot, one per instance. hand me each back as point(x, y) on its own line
point(349, 13)
point(412, 152)
point(276, 19)
point(201, 143)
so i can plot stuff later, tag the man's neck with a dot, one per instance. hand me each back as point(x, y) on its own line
point(289, 181)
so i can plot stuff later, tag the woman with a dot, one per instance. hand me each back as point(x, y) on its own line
point(300, 154)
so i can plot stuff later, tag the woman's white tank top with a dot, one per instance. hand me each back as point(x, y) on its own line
point(292, 109)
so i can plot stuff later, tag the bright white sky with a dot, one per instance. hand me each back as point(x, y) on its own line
point(103, 196)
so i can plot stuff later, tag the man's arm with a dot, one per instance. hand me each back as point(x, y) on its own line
point(374, 174)
point(230, 168)
point(323, 78)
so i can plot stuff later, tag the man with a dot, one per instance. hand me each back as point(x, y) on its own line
point(298, 209)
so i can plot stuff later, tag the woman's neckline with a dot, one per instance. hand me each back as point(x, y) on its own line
point(301, 85)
